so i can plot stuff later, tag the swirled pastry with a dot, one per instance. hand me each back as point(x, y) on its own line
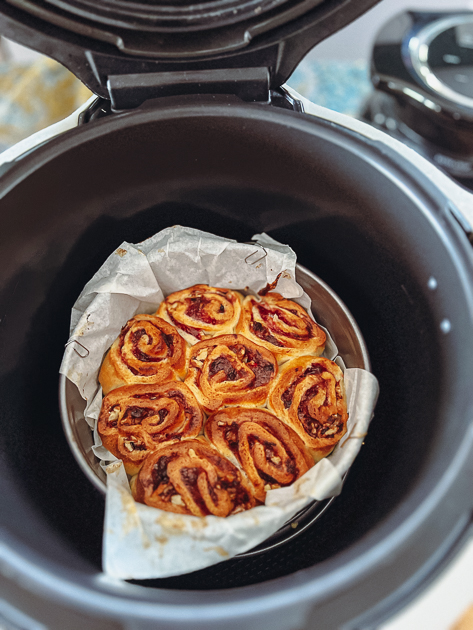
point(201, 312)
point(271, 454)
point(309, 395)
point(230, 370)
point(148, 350)
point(136, 419)
point(192, 478)
point(280, 325)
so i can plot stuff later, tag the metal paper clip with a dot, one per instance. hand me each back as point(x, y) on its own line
point(82, 356)
point(256, 252)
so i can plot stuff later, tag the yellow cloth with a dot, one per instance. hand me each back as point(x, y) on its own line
point(35, 96)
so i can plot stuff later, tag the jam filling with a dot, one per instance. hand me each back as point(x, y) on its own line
point(263, 333)
point(270, 286)
point(175, 394)
point(268, 446)
point(136, 415)
point(266, 316)
point(187, 329)
point(265, 477)
point(226, 480)
point(196, 310)
point(231, 436)
point(269, 452)
point(263, 373)
point(159, 474)
point(142, 356)
point(181, 399)
point(139, 354)
point(291, 467)
point(262, 369)
point(189, 477)
point(236, 491)
point(222, 364)
point(212, 492)
point(288, 394)
point(331, 426)
point(162, 413)
point(168, 340)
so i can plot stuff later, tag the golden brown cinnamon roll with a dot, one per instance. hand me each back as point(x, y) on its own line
point(230, 370)
point(280, 325)
point(309, 395)
point(201, 312)
point(148, 350)
point(136, 419)
point(192, 478)
point(271, 454)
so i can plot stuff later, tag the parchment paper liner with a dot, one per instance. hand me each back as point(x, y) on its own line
point(141, 542)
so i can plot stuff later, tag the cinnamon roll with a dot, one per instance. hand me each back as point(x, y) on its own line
point(148, 350)
point(201, 312)
point(136, 419)
point(309, 395)
point(192, 478)
point(280, 325)
point(230, 370)
point(271, 454)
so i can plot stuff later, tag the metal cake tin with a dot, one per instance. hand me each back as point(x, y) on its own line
point(328, 310)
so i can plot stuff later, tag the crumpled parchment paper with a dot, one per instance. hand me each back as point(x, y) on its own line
point(141, 542)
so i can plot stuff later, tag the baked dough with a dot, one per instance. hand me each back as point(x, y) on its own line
point(148, 350)
point(136, 419)
point(309, 395)
point(271, 454)
point(281, 326)
point(201, 311)
point(230, 370)
point(192, 478)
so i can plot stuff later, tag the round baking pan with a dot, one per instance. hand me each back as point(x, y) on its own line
point(327, 308)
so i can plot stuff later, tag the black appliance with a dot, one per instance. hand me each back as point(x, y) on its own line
point(422, 71)
point(188, 131)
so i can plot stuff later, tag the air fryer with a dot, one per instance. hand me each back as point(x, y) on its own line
point(366, 220)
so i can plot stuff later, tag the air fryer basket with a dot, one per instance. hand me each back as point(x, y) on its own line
point(379, 234)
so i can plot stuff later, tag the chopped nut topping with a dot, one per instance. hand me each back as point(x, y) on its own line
point(115, 412)
point(221, 424)
point(276, 460)
point(202, 354)
point(267, 487)
point(176, 499)
point(130, 446)
point(192, 453)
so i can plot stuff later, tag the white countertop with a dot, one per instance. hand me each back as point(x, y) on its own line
point(445, 600)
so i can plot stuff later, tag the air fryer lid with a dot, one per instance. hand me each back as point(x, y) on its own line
point(99, 40)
